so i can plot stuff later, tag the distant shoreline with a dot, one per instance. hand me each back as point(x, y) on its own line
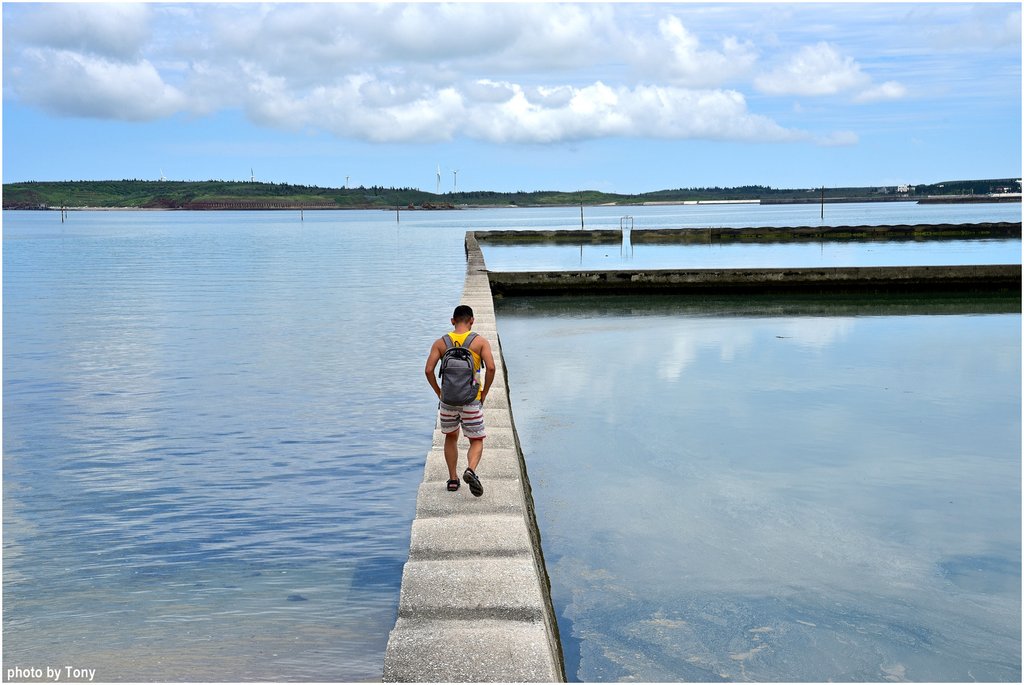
point(229, 207)
point(237, 195)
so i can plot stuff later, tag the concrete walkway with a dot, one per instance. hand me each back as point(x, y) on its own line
point(475, 604)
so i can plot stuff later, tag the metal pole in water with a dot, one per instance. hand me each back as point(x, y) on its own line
point(625, 235)
point(823, 202)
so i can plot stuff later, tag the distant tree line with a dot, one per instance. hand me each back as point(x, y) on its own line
point(198, 194)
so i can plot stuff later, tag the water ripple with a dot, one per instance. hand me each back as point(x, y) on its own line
point(193, 435)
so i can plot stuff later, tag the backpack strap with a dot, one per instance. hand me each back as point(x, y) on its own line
point(449, 343)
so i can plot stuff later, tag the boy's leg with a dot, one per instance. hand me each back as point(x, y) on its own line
point(476, 450)
point(472, 416)
point(450, 422)
point(451, 453)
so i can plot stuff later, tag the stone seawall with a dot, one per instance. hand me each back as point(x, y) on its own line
point(475, 603)
point(757, 234)
point(881, 279)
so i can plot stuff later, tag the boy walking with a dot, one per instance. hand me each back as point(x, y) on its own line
point(468, 416)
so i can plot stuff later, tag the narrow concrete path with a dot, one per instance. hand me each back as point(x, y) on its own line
point(475, 604)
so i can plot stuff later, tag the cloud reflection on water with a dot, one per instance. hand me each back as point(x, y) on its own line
point(777, 498)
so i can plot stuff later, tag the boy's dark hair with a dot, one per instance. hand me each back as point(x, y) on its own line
point(462, 314)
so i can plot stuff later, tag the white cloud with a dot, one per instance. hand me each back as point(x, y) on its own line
point(814, 70)
point(423, 40)
point(676, 55)
point(114, 31)
point(890, 90)
point(550, 96)
point(515, 73)
point(433, 33)
point(88, 86)
point(978, 27)
point(375, 94)
point(549, 38)
point(344, 109)
point(504, 112)
point(820, 70)
point(485, 90)
point(600, 110)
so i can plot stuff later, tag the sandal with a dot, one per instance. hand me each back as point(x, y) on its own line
point(473, 482)
point(453, 485)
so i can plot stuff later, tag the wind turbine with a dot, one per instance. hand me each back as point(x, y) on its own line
point(455, 173)
point(346, 182)
point(252, 176)
point(162, 177)
point(438, 179)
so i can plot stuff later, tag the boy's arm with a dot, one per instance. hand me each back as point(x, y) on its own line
point(488, 359)
point(432, 359)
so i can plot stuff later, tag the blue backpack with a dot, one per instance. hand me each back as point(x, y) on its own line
point(459, 382)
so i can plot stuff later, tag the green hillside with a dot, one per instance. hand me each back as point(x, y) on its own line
point(197, 195)
point(242, 195)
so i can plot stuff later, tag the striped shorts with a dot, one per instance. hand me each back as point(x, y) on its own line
point(470, 417)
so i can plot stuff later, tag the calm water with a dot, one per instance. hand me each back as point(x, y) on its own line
point(599, 257)
point(203, 478)
point(646, 256)
point(775, 491)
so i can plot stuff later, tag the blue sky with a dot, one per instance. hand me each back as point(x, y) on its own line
point(620, 97)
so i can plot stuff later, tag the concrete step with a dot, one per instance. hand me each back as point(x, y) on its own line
point(504, 588)
point(501, 496)
point(470, 536)
point(468, 651)
point(497, 462)
point(497, 398)
point(497, 436)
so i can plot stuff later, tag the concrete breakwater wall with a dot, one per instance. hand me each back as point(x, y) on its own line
point(757, 234)
point(898, 232)
point(879, 279)
point(475, 603)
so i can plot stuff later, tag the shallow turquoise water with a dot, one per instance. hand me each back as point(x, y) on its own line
point(774, 491)
point(203, 478)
